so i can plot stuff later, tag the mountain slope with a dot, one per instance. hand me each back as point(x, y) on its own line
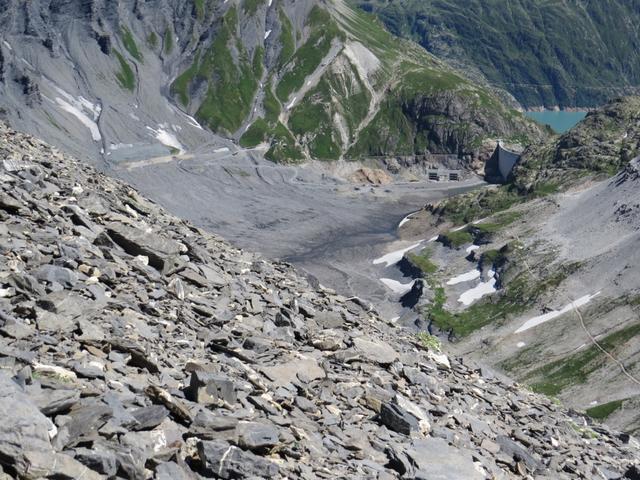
point(135, 345)
point(603, 143)
point(311, 79)
point(552, 259)
point(567, 54)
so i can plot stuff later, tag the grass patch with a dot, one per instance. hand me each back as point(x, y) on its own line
point(130, 44)
point(423, 261)
point(231, 84)
point(287, 40)
point(494, 257)
point(181, 84)
point(604, 411)
point(168, 41)
point(476, 205)
point(283, 147)
point(152, 40)
point(515, 298)
point(271, 105)
point(199, 6)
point(575, 369)
point(125, 76)
point(429, 342)
point(308, 57)
point(584, 432)
point(456, 239)
point(256, 134)
point(251, 6)
point(545, 188)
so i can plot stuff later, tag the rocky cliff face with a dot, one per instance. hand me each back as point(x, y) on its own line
point(135, 345)
point(302, 80)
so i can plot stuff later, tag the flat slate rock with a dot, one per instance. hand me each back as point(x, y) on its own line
point(435, 459)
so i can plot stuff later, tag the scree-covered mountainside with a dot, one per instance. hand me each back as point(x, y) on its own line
point(539, 277)
point(304, 79)
point(134, 345)
point(564, 53)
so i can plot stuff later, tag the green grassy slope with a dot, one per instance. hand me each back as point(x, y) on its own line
point(337, 85)
point(563, 53)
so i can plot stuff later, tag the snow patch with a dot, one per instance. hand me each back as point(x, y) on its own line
point(6, 44)
point(293, 102)
point(266, 34)
point(521, 345)
point(165, 137)
point(540, 319)
point(405, 220)
point(119, 146)
point(477, 292)
point(472, 248)
point(81, 108)
point(394, 257)
point(221, 149)
point(457, 229)
point(465, 277)
point(397, 287)
point(433, 239)
point(194, 122)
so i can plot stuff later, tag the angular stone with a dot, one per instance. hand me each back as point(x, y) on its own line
point(54, 274)
point(397, 419)
point(26, 284)
point(328, 340)
point(139, 242)
point(211, 389)
point(173, 471)
point(176, 406)
point(375, 351)
point(207, 425)
point(149, 417)
point(9, 204)
point(58, 466)
point(23, 429)
point(101, 461)
point(221, 460)
point(518, 453)
point(215, 276)
point(160, 443)
point(256, 436)
point(82, 421)
point(434, 458)
point(52, 402)
point(329, 319)
point(301, 367)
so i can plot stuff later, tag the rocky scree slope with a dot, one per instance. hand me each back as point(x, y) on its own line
point(134, 345)
point(567, 54)
point(304, 79)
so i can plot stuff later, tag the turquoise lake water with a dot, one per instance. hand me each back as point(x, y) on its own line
point(560, 121)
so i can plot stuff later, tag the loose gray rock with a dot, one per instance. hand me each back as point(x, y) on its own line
point(256, 436)
point(226, 461)
point(208, 388)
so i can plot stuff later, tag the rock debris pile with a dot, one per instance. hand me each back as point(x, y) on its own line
point(134, 345)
